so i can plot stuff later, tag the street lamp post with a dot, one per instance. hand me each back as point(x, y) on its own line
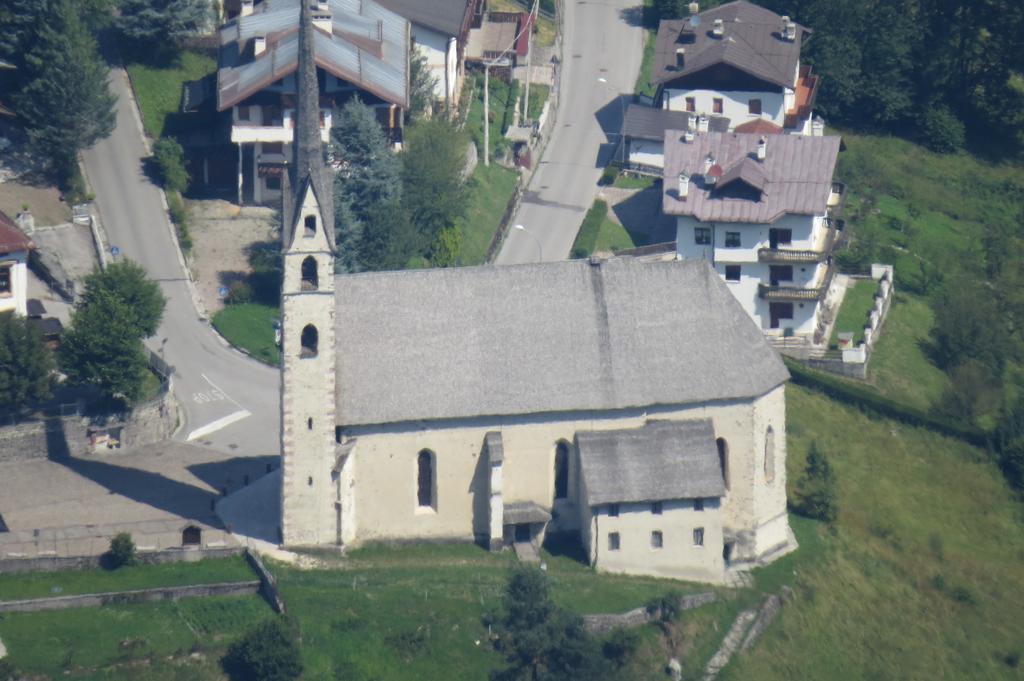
point(540, 249)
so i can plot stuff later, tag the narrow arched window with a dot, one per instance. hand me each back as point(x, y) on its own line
point(310, 340)
point(310, 280)
point(723, 459)
point(310, 226)
point(561, 470)
point(769, 455)
point(425, 479)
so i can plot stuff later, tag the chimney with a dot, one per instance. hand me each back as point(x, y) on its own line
point(718, 29)
point(702, 123)
point(691, 124)
point(818, 127)
point(789, 33)
point(684, 185)
point(712, 171)
point(322, 16)
point(688, 136)
point(259, 45)
point(26, 223)
point(694, 8)
point(247, 6)
point(680, 56)
point(762, 148)
point(709, 161)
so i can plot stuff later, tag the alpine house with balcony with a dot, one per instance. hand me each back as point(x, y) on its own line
point(741, 62)
point(764, 210)
point(360, 49)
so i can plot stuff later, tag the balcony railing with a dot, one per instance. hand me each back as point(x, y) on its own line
point(789, 255)
point(796, 293)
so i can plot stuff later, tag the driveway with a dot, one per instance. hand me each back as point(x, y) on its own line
point(229, 401)
point(600, 62)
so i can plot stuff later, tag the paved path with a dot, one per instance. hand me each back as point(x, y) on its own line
point(228, 400)
point(599, 43)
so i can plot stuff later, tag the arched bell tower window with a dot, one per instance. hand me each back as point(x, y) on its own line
point(310, 339)
point(723, 459)
point(310, 280)
point(769, 455)
point(561, 470)
point(425, 479)
point(310, 227)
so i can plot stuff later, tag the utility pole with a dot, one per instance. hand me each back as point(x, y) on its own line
point(532, 21)
point(487, 113)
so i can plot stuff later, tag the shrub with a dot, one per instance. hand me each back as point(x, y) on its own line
point(170, 160)
point(620, 646)
point(239, 293)
point(269, 652)
point(816, 488)
point(7, 672)
point(942, 130)
point(1011, 460)
point(179, 216)
point(122, 551)
point(609, 175)
point(666, 607)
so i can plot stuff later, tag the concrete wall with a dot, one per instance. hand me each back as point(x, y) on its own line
point(14, 301)
point(602, 624)
point(55, 437)
point(441, 54)
point(172, 593)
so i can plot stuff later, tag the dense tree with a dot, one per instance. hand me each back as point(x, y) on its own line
point(22, 19)
point(269, 652)
point(103, 347)
point(541, 642)
point(389, 240)
point(421, 87)
point(369, 178)
point(127, 281)
point(26, 364)
point(162, 23)
point(66, 103)
point(434, 189)
point(968, 324)
point(816, 495)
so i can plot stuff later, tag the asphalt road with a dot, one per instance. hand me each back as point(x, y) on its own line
point(603, 45)
point(229, 401)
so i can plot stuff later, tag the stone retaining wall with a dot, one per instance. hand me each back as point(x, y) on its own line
point(171, 593)
point(268, 585)
point(602, 624)
point(53, 563)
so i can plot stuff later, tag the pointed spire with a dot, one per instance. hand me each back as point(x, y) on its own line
point(307, 145)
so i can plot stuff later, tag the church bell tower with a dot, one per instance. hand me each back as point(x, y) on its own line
point(308, 514)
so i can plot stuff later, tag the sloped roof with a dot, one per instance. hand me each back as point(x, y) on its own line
point(759, 126)
point(797, 174)
point(12, 238)
point(444, 16)
point(752, 42)
point(661, 461)
point(650, 123)
point(747, 170)
point(368, 47)
point(553, 337)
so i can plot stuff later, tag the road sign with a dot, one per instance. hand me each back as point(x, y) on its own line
point(115, 251)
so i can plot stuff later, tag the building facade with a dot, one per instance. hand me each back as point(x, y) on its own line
point(764, 212)
point(14, 250)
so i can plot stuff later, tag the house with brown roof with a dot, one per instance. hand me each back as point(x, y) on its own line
point(361, 49)
point(14, 249)
point(763, 210)
point(741, 62)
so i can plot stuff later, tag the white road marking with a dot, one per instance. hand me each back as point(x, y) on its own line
point(223, 395)
point(218, 424)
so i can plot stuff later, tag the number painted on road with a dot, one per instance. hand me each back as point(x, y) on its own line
point(211, 396)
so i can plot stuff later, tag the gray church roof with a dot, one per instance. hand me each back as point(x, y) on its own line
point(661, 461)
point(553, 337)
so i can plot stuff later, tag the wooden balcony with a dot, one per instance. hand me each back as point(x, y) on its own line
point(804, 256)
point(797, 293)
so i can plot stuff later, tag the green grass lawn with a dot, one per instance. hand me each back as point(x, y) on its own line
point(158, 89)
point(21, 586)
point(490, 189)
point(249, 326)
point(921, 579)
point(83, 643)
point(600, 234)
point(538, 97)
point(624, 181)
point(853, 314)
point(643, 85)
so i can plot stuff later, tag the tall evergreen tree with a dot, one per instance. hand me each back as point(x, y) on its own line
point(156, 23)
point(421, 87)
point(369, 178)
point(26, 364)
point(66, 102)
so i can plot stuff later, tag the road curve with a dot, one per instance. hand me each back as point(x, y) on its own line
point(229, 401)
point(603, 46)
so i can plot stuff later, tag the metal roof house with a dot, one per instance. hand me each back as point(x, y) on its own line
point(360, 49)
point(739, 61)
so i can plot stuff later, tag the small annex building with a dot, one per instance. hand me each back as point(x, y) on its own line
point(501, 404)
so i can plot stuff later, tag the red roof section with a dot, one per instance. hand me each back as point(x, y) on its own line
point(526, 21)
point(759, 126)
point(12, 238)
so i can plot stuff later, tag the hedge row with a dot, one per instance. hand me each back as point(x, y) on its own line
point(586, 239)
point(869, 400)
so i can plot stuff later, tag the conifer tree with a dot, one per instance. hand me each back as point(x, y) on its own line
point(156, 23)
point(816, 488)
point(26, 364)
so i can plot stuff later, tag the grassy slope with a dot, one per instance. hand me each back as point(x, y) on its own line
point(248, 326)
point(643, 84)
point(415, 611)
point(21, 586)
point(853, 314)
point(489, 192)
point(914, 506)
point(159, 88)
point(82, 640)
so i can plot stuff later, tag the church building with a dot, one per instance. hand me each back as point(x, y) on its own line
point(633, 405)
